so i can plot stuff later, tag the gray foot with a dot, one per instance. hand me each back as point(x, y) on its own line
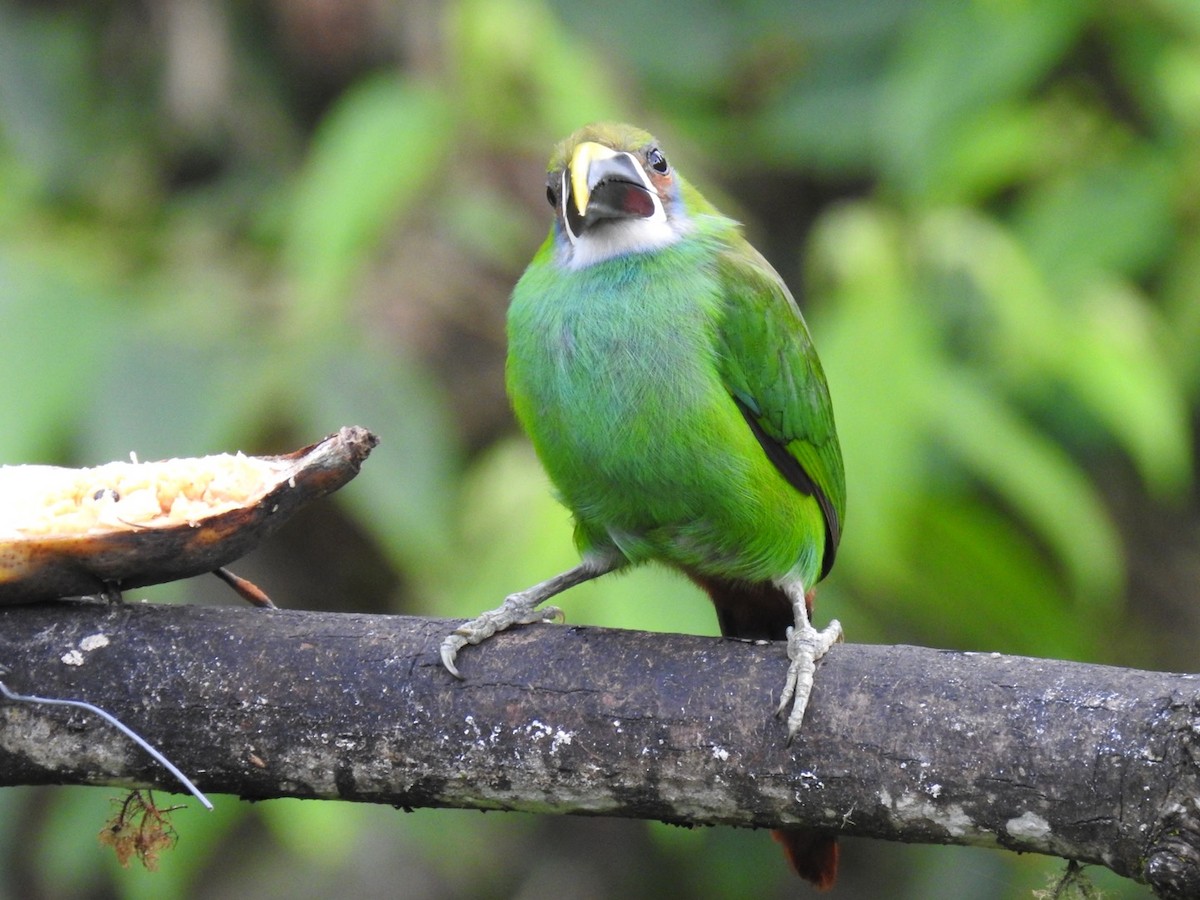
point(517, 609)
point(520, 608)
point(806, 645)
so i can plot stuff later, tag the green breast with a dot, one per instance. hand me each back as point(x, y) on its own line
point(611, 366)
point(613, 373)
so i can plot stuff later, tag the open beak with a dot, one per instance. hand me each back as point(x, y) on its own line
point(602, 184)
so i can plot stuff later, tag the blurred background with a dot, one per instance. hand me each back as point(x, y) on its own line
point(240, 225)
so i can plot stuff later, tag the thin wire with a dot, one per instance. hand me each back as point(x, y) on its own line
point(120, 726)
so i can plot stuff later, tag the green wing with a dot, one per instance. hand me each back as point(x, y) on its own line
point(772, 370)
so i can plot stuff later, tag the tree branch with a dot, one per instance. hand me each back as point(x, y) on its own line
point(1086, 762)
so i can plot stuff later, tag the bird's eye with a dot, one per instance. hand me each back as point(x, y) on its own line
point(657, 161)
point(551, 196)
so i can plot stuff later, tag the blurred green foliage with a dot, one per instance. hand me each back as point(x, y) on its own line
point(243, 225)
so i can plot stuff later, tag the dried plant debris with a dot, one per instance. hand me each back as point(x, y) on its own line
point(1073, 884)
point(73, 532)
point(139, 828)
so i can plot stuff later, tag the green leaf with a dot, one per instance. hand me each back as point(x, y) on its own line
point(1101, 343)
point(165, 395)
point(385, 142)
point(1036, 477)
point(1118, 368)
point(1115, 216)
point(57, 329)
point(971, 579)
point(407, 490)
point(877, 349)
point(521, 79)
point(952, 61)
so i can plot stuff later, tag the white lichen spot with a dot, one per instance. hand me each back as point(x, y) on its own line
point(1028, 825)
point(93, 642)
point(953, 817)
point(721, 754)
point(810, 780)
point(86, 645)
point(481, 741)
point(560, 739)
point(537, 730)
point(934, 790)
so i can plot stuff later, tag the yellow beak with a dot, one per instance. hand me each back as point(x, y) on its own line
point(585, 156)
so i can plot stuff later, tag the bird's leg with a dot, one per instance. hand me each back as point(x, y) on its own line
point(520, 608)
point(805, 646)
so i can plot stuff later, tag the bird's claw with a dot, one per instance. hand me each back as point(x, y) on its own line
point(517, 609)
point(806, 645)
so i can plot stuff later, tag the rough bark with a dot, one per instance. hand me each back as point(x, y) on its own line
point(1086, 762)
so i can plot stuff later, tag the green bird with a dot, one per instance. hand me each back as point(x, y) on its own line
point(672, 391)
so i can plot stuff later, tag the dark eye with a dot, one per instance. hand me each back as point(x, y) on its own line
point(551, 196)
point(657, 161)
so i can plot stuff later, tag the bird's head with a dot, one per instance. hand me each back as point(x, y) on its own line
point(613, 193)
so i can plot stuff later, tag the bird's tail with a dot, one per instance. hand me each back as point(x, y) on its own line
point(762, 611)
point(813, 855)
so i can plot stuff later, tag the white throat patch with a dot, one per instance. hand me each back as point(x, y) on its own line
point(620, 236)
